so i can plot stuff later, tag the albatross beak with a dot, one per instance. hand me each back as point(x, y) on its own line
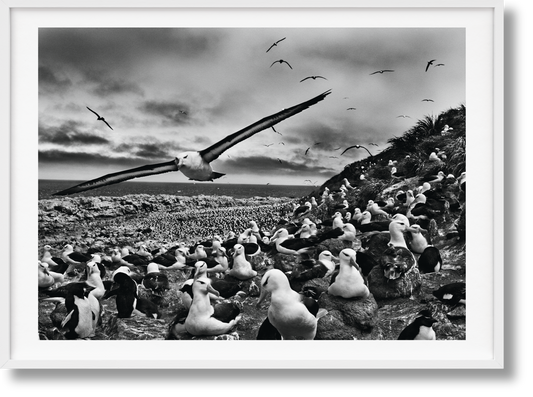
point(212, 290)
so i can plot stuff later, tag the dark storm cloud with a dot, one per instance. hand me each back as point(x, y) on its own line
point(175, 112)
point(85, 159)
point(69, 134)
point(50, 82)
point(84, 47)
point(156, 150)
point(263, 165)
point(96, 160)
point(373, 49)
point(106, 85)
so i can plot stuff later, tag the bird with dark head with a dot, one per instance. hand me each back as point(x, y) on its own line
point(421, 328)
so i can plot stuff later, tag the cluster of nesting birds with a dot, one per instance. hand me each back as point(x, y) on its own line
point(218, 268)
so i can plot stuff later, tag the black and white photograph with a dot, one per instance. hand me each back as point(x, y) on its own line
point(296, 185)
point(251, 183)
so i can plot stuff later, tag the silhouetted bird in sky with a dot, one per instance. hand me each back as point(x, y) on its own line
point(429, 64)
point(280, 61)
point(382, 71)
point(99, 117)
point(313, 77)
point(275, 44)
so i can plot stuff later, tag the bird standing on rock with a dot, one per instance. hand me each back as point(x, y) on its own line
point(420, 329)
point(241, 269)
point(349, 282)
point(290, 313)
point(201, 318)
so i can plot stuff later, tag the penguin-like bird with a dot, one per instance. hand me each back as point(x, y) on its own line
point(195, 165)
point(452, 294)
point(420, 329)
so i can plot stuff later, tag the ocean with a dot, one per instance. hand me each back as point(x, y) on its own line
point(47, 187)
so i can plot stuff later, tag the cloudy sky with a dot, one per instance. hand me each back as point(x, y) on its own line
point(164, 91)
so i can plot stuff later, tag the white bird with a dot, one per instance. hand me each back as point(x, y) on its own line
point(47, 278)
point(289, 312)
point(338, 222)
point(349, 233)
point(200, 319)
point(349, 282)
point(357, 215)
point(242, 268)
point(196, 164)
point(347, 184)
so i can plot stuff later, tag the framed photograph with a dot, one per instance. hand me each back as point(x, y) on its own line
point(237, 113)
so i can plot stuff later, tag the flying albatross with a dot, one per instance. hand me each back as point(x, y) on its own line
point(99, 117)
point(195, 165)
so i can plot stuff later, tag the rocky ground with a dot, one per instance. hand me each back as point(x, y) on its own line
point(102, 223)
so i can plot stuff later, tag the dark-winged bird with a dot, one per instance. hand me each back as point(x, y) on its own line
point(382, 71)
point(196, 165)
point(313, 77)
point(99, 117)
point(429, 64)
point(275, 44)
point(280, 61)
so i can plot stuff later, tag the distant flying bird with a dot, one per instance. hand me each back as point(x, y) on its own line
point(280, 61)
point(374, 144)
point(307, 151)
point(276, 131)
point(99, 117)
point(439, 64)
point(382, 71)
point(340, 147)
point(333, 157)
point(357, 147)
point(268, 145)
point(429, 64)
point(428, 100)
point(281, 143)
point(317, 143)
point(275, 44)
point(404, 116)
point(351, 109)
point(313, 77)
point(196, 164)
point(281, 162)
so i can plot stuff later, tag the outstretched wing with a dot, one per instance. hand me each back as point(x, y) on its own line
point(117, 177)
point(348, 148)
point(214, 151)
point(107, 124)
point(92, 111)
